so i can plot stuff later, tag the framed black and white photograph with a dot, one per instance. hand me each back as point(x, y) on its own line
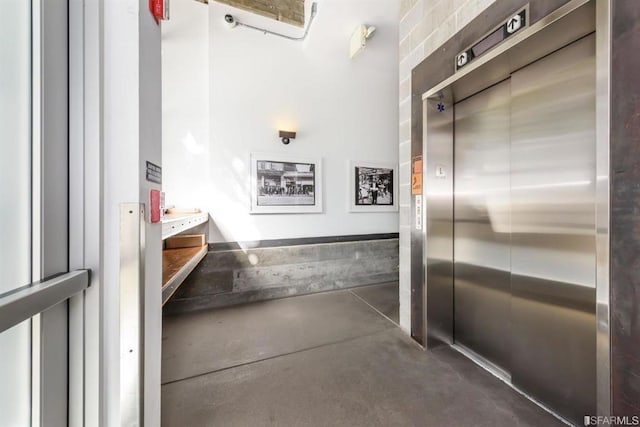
point(282, 184)
point(373, 187)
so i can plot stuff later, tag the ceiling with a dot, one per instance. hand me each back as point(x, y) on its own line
point(289, 11)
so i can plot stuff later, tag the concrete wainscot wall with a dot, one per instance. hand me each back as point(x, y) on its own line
point(229, 277)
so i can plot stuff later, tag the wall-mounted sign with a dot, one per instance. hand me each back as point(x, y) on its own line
point(509, 27)
point(441, 171)
point(418, 212)
point(154, 173)
point(416, 175)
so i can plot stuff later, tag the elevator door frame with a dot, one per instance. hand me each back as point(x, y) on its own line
point(565, 25)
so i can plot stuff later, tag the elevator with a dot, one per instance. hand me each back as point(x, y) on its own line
point(524, 226)
point(511, 189)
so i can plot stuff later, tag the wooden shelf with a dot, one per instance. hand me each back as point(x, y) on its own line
point(176, 266)
point(177, 223)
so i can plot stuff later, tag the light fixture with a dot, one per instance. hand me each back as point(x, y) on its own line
point(359, 39)
point(287, 136)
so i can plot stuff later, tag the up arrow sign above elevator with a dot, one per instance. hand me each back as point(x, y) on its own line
point(514, 24)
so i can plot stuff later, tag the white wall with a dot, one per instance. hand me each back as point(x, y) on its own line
point(342, 110)
point(185, 103)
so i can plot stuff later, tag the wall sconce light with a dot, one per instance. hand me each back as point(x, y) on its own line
point(287, 136)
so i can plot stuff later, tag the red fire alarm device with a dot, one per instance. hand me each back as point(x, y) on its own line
point(154, 206)
point(159, 9)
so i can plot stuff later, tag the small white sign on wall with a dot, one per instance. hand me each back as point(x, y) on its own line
point(418, 212)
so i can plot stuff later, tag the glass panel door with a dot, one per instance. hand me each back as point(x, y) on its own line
point(15, 203)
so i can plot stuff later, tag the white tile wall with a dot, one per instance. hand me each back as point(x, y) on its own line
point(424, 26)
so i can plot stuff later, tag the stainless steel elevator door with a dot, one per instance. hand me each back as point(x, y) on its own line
point(482, 261)
point(553, 261)
point(524, 228)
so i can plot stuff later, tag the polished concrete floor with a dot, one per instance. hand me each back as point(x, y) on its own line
point(330, 359)
point(383, 298)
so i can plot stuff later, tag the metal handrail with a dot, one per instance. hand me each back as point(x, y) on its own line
point(26, 302)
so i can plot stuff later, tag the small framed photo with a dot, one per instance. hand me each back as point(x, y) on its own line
point(283, 184)
point(373, 187)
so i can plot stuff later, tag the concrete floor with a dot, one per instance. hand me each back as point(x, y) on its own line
point(330, 359)
point(383, 298)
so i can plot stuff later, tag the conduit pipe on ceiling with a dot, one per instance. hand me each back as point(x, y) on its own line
point(233, 22)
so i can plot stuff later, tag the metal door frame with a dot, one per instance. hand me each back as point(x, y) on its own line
point(46, 300)
point(561, 27)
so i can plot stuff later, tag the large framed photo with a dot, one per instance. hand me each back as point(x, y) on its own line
point(283, 184)
point(373, 187)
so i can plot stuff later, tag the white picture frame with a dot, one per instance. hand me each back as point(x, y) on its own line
point(282, 184)
point(373, 187)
